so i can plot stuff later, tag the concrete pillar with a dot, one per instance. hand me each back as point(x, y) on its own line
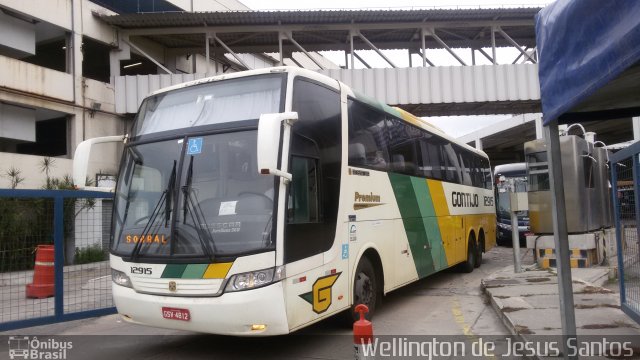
point(123, 52)
point(76, 43)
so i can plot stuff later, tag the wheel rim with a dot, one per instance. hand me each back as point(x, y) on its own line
point(364, 289)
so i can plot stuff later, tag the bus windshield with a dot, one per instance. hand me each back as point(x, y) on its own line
point(210, 103)
point(193, 197)
point(519, 184)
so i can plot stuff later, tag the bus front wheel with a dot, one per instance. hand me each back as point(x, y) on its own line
point(365, 288)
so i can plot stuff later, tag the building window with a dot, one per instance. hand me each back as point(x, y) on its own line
point(51, 139)
point(95, 60)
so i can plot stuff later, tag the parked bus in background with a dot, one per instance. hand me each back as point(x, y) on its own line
point(510, 176)
point(257, 203)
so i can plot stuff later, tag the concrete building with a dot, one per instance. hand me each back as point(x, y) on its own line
point(58, 62)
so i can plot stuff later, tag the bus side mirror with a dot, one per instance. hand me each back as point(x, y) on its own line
point(81, 159)
point(269, 132)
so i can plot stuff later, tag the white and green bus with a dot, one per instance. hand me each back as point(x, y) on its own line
point(259, 202)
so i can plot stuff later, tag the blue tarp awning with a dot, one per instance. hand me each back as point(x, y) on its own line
point(584, 46)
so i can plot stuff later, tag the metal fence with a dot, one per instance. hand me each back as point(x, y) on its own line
point(53, 259)
point(625, 179)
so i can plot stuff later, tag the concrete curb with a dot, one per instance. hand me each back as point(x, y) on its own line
point(527, 303)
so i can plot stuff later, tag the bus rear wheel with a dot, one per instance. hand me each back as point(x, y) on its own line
point(470, 263)
point(479, 250)
point(365, 289)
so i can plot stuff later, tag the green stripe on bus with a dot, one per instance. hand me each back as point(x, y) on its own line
point(194, 271)
point(430, 222)
point(423, 197)
point(413, 222)
point(173, 271)
point(435, 241)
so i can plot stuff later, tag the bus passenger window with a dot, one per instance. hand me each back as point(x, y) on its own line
point(367, 129)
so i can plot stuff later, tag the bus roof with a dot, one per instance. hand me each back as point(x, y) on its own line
point(514, 169)
point(394, 111)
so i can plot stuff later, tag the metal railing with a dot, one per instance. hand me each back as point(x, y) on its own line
point(53, 256)
point(625, 179)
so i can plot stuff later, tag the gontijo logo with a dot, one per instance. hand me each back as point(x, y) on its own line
point(462, 199)
point(23, 347)
point(320, 295)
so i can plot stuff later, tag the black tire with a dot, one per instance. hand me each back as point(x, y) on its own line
point(365, 289)
point(468, 265)
point(479, 250)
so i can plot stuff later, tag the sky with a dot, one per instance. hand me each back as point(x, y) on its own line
point(454, 125)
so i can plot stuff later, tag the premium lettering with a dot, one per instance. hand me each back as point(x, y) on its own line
point(366, 197)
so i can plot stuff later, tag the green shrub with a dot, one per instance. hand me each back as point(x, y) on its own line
point(93, 253)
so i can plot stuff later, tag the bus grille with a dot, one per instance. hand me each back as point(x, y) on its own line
point(183, 287)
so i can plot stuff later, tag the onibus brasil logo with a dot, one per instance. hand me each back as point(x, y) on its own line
point(25, 347)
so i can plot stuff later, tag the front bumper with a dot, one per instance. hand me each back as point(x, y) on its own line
point(229, 314)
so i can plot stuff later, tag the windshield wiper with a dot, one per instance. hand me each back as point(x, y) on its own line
point(165, 199)
point(192, 206)
point(169, 195)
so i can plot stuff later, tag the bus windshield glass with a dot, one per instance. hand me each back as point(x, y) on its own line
point(193, 197)
point(210, 103)
point(518, 183)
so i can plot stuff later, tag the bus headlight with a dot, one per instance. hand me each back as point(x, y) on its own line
point(120, 278)
point(255, 279)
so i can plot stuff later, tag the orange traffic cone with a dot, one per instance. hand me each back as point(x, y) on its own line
point(43, 274)
point(362, 335)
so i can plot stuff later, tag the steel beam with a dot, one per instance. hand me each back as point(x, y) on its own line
point(361, 60)
point(493, 45)
point(423, 49)
point(250, 36)
point(514, 43)
point(290, 37)
point(425, 59)
point(446, 47)
point(382, 55)
point(486, 55)
point(384, 45)
point(147, 56)
point(224, 46)
point(295, 61)
point(325, 27)
point(215, 55)
point(207, 55)
point(280, 49)
point(353, 63)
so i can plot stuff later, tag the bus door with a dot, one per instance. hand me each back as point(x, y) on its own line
point(317, 276)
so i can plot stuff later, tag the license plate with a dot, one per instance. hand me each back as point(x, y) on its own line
point(176, 314)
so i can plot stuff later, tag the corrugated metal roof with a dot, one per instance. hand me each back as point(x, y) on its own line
point(247, 18)
point(322, 30)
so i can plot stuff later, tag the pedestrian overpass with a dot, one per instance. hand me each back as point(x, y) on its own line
point(479, 82)
point(472, 78)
